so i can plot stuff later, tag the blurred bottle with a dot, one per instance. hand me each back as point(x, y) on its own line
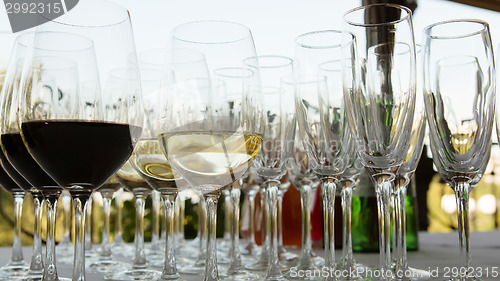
point(365, 231)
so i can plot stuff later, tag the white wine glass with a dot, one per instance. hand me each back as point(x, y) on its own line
point(459, 95)
point(379, 80)
point(224, 45)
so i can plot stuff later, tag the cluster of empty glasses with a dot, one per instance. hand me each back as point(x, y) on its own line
point(80, 112)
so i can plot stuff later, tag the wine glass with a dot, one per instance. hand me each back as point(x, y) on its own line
point(151, 164)
point(306, 181)
point(251, 187)
point(403, 177)
point(101, 143)
point(185, 64)
point(10, 83)
point(54, 94)
point(459, 95)
point(151, 63)
point(322, 121)
point(379, 87)
point(123, 80)
point(235, 81)
point(277, 146)
point(224, 45)
point(104, 263)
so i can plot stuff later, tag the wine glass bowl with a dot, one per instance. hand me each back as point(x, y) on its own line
point(460, 114)
point(379, 81)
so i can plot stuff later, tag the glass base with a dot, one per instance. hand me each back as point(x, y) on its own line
point(33, 275)
point(169, 278)
point(13, 270)
point(352, 271)
point(193, 269)
point(134, 274)
point(106, 266)
point(250, 249)
point(239, 275)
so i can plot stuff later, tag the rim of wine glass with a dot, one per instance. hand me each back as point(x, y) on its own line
point(122, 19)
point(406, 17)
point(32, 35)
point(245, 32)
point(428, 29)
point(322, 46)
point(255, 62)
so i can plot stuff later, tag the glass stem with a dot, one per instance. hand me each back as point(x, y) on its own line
point(80, 205)
point(88, 226)
point(235, 256)
point(156, 205)
point(50, 272)
point(346, 201)
point(280, 220)
point(140, 256)
point(118, 238)
point(384, 183)
point(17, 251)
point(36, 266)
point(395, 226)
point(273, 270)
point(305, 199)
point(227, 215)
point(66, 204)
point(211, 270)
point(264, 253)
point(251, 202)
point(202, 221)
point(401, 184)
point(462, 189)
point(169, 265)
point(106, 208)
point(329, 186)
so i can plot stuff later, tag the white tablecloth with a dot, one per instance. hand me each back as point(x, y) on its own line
point(438, 252)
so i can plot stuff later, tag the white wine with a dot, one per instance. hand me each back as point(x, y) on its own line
point(211, 160)
point(150, 162)
point(131, 180)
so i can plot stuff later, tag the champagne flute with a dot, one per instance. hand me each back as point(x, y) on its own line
point(459, 95)
point(332, 70)
point(403, 177)
point(251, 187)
point(306, 181)
point(235, 81)
point(322, 121)
point(379, 76)
point(280, 125)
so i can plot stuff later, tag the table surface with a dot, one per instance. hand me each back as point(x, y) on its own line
point(438, 252)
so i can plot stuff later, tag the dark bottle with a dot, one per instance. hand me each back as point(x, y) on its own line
point(365, 232)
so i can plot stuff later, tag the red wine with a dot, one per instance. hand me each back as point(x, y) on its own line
point(21, 160)
point(80, 155)
point(13, 173)
point(6, 181)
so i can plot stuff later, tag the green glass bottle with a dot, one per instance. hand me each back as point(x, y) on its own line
point(365, 232)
